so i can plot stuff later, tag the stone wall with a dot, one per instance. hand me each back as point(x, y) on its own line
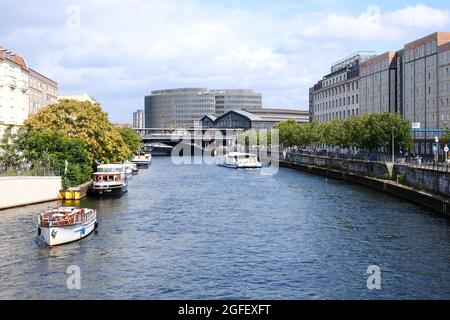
point(420, 178)
point(366, 168)
point(20, 191)
point(425, 179)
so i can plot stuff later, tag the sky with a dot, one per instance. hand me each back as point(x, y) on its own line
point(119, 51)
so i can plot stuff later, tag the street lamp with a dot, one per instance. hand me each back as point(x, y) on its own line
point(393, 148)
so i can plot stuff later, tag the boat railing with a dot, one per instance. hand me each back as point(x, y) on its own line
point(61, 220)
point(107, 183)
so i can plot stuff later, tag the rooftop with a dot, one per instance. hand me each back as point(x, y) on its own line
point(11, 56)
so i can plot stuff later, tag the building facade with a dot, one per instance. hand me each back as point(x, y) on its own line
point(14, 91)
point(254, 118)
point(180, 108)
point(337, 94)
point(42, 91)
point(424, 91)
point(236, 99)
point(413, 81)
point(139, 119)
point(377, 84)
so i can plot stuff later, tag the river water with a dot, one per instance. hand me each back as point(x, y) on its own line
point(207, 232)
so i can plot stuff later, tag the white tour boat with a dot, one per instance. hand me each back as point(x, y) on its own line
point(142, 160)
point(106, 183)
point(66, 224)
point(130, 168)
point(239, 160)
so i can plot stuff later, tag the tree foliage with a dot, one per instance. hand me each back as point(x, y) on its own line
point(87, 123)
point(10, 155)
point(369, 131)
point(131, 139)
point(51, 148)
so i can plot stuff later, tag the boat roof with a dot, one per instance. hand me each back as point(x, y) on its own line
point(66, 210)
point(107, 173)
point(111, 165)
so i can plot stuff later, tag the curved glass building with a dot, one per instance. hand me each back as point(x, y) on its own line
point(180, 108)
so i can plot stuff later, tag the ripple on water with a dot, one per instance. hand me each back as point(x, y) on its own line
point(206, 232)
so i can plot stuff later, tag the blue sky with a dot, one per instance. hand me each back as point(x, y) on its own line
point(119, 51)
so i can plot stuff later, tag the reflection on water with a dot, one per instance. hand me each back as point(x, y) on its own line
point(207, 232)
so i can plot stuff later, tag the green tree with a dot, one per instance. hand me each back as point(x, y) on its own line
point(131, 139)
point(50, 148)
point(288, 133)
point(87, 123)
point(10, 155)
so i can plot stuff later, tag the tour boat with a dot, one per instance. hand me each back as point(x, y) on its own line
point(108, 183)
point(134, 168)
point(142, 160)
point(66, 224)
point(130, 168)
point(238, 160)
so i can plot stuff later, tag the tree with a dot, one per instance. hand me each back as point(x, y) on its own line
point(87, 123)
point(131, 139)
point(50, 148)
point(288, 133)
point(393, 123)
point(10, 155)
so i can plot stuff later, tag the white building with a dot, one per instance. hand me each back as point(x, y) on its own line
point(139, 119)
point(14, 93)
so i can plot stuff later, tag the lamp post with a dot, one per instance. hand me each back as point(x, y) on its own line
point(393, 148)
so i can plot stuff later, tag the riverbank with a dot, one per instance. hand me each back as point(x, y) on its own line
point(22, 191)
point(433, 201)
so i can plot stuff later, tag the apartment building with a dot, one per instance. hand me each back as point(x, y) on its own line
point(42, 91)
point(14, 91)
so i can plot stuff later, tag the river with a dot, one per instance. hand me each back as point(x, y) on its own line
point(207, 232)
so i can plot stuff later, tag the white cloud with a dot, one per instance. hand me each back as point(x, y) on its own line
point(423, 17)
point(123, 50)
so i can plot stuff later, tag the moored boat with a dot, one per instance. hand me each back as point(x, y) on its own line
point(142, 160)
point(108, 183)
point(238, 160)
point(66, 224)
point(130, 168)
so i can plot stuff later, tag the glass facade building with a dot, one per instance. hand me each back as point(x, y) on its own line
point(180, 108)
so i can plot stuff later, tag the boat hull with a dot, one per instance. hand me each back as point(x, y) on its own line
point(54, 236)
point(240, 166)
point(142, 165)
point(105, 192)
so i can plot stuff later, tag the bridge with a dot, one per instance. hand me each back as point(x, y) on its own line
point(199, 137)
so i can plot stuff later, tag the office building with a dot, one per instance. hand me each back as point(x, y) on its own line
point(180, 108)
point(337, 94)
point(139, 119)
